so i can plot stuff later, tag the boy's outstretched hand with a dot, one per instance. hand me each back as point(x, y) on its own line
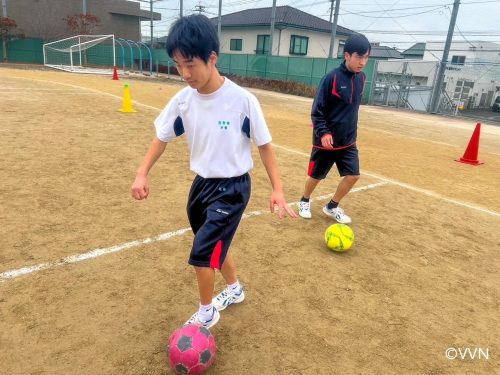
point(277, 199)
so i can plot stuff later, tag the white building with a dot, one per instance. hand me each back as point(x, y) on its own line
point(472, 76)
point(296, 33)
point(464, 52)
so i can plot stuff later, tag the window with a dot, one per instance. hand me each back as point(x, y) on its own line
point(463, 89)
point(236, 44)
point(458, 60)
point(298, 45)
point(340, 53)
point(262, 45)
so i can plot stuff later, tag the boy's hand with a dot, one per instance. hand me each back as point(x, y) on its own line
point(277, 199)
point(327, 141)
point(140, 187)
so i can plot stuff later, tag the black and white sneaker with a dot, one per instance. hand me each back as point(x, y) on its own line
point(338, 214)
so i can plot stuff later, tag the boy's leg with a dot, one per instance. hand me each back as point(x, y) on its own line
point(320, 164)
point(206, 282)
point(348, 166)
point(332, 209)
point(310, 185)
point(344, 187)
point(233, 293)
point(305, 204)
point(207, 315)
point(226, 200)
point(228, 269)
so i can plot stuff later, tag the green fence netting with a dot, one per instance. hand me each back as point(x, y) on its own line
point(305, 70)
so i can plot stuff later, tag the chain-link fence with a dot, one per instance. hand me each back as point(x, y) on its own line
point(410, 84)
point(468, 88)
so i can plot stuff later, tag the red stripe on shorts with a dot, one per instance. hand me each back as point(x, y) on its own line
point(310, 169)
point(215, 259)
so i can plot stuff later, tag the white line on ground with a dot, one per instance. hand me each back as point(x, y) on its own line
point(89, 89)
point(12, 274)
point(410, 187)
point(32, 89)
point(98, 252)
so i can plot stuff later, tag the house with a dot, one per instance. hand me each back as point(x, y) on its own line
point(384, 53)
point(415, 52)
point(296, 33)
point(45, 18)
point(472, 73)
point(462, 53)
point(471, 76)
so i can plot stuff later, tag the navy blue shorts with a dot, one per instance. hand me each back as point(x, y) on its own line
point(214, 209)
point(321, 161)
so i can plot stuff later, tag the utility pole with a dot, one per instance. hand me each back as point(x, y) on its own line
point(84, 7)
point(219, 20)
point(273, 18)
point(438, 88)
point(180, 13)
point(151, 22)
point(4, 42)
point(334, 27)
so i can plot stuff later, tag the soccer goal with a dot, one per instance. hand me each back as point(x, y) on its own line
point(82, 54)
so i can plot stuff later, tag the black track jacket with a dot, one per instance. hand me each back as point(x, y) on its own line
point(335, 107)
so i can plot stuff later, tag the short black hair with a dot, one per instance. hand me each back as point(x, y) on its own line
point(193, 36)
point(357, 43)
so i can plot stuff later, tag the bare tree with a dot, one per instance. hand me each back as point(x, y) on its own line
point(8, 30)
point(82, 24)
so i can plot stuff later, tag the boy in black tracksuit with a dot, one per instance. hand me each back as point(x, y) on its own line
point(335, 120)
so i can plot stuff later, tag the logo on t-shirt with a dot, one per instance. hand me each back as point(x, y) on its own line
point(224, 124)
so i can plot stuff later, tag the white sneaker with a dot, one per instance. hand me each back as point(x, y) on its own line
point(228, 297)
point(196, 319)
point(305, 209)
point(338, 214)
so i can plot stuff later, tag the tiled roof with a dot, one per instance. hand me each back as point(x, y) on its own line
point(416, 49)
point(385, 52)
point(285, 16)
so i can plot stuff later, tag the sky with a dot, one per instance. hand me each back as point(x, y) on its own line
point(394, 23)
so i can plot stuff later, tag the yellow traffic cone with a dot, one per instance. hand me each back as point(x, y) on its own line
point(127, 100)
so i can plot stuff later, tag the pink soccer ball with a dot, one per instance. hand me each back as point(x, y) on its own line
point(191, 349)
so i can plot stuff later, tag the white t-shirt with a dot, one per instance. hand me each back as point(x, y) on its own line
point(218, 127)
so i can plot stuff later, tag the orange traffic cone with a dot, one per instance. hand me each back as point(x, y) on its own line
point(115, 74)
point(470, 154)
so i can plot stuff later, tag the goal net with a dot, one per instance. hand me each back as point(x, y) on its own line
point(82, 54)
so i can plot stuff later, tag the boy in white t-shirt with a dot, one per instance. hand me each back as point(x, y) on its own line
point(219, 119)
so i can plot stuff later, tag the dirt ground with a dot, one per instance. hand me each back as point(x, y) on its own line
point(422, 276)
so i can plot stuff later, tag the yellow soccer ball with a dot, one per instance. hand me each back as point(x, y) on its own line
point(339, 237)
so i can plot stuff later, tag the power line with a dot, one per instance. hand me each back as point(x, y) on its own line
point(407, 8)
point(392, 16)
point(429, 41)
point(429, 32)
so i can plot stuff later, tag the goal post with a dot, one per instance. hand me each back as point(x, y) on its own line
point(82, 54)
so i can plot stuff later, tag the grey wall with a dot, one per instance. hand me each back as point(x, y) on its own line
point(45, 18)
